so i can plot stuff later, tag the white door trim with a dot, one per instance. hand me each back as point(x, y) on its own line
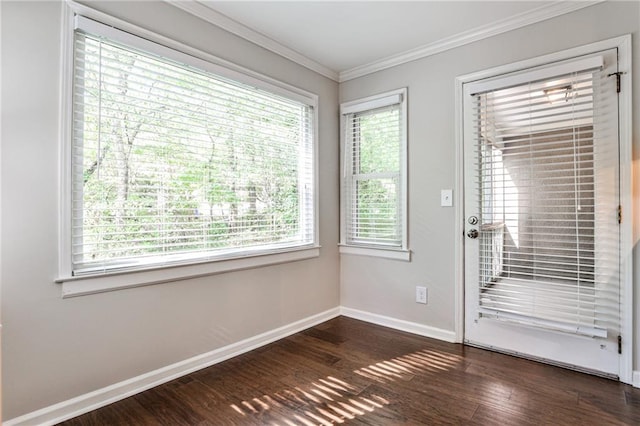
point(623, 44)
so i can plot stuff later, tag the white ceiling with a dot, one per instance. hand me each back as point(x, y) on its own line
point(339, 38)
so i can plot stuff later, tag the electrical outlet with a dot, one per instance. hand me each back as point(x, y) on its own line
point(421, 294)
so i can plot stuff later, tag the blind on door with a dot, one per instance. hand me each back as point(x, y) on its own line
point(547, 185)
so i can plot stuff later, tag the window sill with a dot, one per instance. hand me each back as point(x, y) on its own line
point(85, 285)
point(395, 254)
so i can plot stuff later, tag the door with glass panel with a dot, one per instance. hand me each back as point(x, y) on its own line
point(541, 213)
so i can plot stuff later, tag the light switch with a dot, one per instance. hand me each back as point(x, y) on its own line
point(446, 198)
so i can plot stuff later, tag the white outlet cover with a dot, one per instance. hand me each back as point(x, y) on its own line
point(446, 198)
point(421, 294)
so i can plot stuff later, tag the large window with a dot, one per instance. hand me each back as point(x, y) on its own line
point(172, 163)
point(374, 173)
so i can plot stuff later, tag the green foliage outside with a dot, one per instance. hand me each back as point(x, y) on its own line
point(376, 171)
point(174, 161)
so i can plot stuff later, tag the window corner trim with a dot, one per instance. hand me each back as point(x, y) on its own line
point(74, 286)
point(386, 253)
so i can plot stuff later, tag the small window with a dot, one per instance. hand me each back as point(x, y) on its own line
point(374, 202)
point(173, 164)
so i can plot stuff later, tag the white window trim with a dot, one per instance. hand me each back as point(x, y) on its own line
point(364, 104)
point(91, 284)
point(386, 253)
point(85, 285)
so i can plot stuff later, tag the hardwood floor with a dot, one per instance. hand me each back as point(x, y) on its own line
point(346, 371)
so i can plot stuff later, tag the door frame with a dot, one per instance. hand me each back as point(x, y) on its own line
point(623, 44)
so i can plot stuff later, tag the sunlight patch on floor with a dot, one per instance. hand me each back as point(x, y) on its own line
point(327, 401)
point(407, 366)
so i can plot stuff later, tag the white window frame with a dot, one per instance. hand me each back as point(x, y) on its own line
point(381, 100)
point(129, 33)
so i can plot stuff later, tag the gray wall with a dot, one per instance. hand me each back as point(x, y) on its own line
point(55, 349)
point(387, 287)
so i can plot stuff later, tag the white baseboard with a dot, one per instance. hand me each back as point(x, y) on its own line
point(84, 403)
point(398, 324)
point(99, 398)
point(636, 379)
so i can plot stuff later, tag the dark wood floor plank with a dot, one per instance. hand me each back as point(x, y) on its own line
point(489, 415)
point(166, 409)
point(125, 412)
point(208, 403)
point(346, 371)
point(416, 404)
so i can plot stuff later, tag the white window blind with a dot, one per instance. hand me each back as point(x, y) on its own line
point(374, 176)
point(546, 151)
point(173, 164)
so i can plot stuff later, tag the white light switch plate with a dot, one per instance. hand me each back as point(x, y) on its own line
point(446, 198)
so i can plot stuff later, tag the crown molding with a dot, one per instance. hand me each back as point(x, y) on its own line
point(533, 16)
point(204, 12)
point(542, 13)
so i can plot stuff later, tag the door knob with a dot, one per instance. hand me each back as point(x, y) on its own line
point(473, 233)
